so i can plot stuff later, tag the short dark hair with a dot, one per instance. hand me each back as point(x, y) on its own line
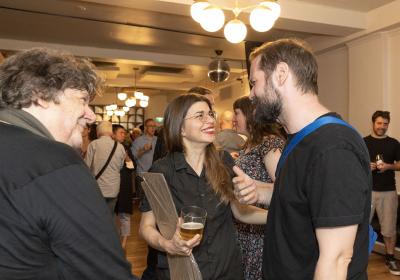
point(115, 127)
point(200, 90)
point(92, 131)
point(44, 74)
point(296, 54)
point(382, 114)
point(147, 121)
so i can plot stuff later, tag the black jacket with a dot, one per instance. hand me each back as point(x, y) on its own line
point(54, 223)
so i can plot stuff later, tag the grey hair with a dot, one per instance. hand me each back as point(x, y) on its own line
point(44, 74)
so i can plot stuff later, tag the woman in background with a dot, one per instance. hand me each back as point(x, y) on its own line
point(124, 206)
point(258, 159)
point(197, 174)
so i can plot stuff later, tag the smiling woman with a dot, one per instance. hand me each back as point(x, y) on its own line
point(198, 175)
point(185, 128)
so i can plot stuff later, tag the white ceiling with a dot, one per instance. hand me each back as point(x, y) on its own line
point(158, 37)
point(355, 5)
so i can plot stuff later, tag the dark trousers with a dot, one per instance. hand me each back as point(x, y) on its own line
point(163, 274)
point(150, 272)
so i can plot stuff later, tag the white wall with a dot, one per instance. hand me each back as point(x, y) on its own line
point(394, 86)
point(333, 80)
point(156, 107)
point(226, 96)
point(367, 79)
point(373, 69)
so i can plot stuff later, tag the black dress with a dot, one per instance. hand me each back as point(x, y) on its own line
point(125, 195)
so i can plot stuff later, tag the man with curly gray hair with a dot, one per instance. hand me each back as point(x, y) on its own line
point(54, 223)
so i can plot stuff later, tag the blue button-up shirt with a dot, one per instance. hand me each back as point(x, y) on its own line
point(144, 162)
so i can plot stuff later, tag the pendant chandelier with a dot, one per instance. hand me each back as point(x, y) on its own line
point(212, 18)
point(138, 98)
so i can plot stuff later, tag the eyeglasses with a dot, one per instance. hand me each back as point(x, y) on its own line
point(202, 116)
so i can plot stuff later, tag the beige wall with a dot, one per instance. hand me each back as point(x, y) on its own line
point(362, 77)
point(156, 107)
point(394, 79)
point(333, 80)
point(372, 64)
point(226, 96)
point(367, 79)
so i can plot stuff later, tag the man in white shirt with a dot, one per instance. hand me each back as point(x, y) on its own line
point(97, 155)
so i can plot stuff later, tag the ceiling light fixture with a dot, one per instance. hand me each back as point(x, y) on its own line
point(122, 96)
point(212, 18)
point(138, 94)
point(218, 69)
point(130, 102)
point(197, 8)
point(137, 98)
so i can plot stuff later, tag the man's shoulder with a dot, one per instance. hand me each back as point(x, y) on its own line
point(32, 144)
point(337, 136)
point(393, 140)
point(387, 139)
point(368, 138)
point(334, 132)
point(27, 155)
point(139, 140)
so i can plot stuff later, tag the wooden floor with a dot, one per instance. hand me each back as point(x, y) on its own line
point(137, 252)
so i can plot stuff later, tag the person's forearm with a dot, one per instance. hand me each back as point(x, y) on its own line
point(248, 214)
point(332, 269)
point(265, 191)
point(153, 238)
point(395, 166)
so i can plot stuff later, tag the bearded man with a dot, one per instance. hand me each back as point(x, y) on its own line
point(384, 154)
point(317, 225)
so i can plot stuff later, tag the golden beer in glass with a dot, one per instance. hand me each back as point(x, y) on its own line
point(193, 221)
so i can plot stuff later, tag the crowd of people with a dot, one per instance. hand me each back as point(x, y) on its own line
point(285, 182)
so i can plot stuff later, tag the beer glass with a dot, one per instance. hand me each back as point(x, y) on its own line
point(379, 161)
point(193, 221)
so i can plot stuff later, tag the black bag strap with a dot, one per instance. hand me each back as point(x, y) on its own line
point(108, 161)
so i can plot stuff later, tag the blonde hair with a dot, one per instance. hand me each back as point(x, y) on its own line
point(104, 128)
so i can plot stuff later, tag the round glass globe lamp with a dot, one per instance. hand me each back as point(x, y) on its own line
point(235, 31)
point(197, 8)
point(212, 19)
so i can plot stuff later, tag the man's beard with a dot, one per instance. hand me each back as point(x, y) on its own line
point(380, 132)
point(267, 111)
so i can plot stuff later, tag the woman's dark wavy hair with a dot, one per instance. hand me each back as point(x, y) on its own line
point(256, 130)
point(44, 74)
point(217, 174)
